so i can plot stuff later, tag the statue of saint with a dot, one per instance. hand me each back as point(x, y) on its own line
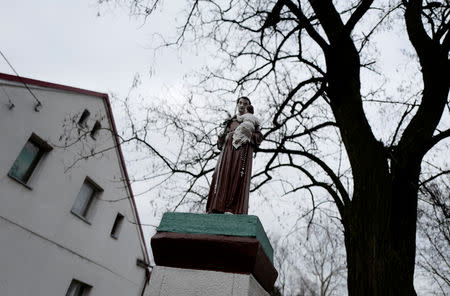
point(230, 184)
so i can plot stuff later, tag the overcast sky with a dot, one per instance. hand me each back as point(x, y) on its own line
point(79, 44)
point(67, 42)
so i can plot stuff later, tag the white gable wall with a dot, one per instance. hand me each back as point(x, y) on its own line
point(42, 243)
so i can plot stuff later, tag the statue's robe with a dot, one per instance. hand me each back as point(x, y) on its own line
point(230, 185)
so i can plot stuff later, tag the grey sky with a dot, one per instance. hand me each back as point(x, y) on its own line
point(66, 42)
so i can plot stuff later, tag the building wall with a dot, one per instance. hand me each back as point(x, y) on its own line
point(43, 245)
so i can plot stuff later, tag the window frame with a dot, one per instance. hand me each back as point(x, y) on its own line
point(95, 130)
point(82, 120)
point(43, 147)
point(117, 226)
point(76, 283)
point(84, 214)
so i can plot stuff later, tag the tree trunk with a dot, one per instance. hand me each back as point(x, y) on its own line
point(380, 240)
point(380, 220)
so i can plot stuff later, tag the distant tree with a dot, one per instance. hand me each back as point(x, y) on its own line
point(433, 246)
point(313, 63)
point(324, 259)
point(311, 261)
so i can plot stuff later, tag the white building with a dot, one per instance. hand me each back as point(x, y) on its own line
point(68, 223)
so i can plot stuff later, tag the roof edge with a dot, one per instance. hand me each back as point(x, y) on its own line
point(127, 178)
point(25, 80)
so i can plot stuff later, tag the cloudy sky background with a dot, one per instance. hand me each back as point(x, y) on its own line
point(102, 48)
point(80, 44)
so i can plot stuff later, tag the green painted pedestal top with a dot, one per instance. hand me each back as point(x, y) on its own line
point(216, 224)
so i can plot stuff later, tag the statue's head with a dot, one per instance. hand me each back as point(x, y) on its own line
point(242, 105)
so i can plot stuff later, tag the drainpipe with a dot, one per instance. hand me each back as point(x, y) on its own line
point(148, 272)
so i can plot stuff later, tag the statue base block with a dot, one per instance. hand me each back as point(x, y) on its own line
point(169, 281)
point(231, 247)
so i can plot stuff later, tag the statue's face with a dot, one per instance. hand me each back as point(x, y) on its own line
point(242, 105)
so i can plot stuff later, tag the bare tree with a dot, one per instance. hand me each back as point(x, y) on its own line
point(433, 246)
point(311, 261)
point(324, 256)
point(308, 60)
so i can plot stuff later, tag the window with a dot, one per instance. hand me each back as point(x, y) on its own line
point(85, 199)
point(117, 225)
point(28, 159)
point(78, 288)
point(95, 129)
point(83, 118)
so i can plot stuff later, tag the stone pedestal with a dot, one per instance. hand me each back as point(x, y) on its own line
point(211, 254)
point(170, 281)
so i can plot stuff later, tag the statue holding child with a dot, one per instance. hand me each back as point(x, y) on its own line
point(230, 186)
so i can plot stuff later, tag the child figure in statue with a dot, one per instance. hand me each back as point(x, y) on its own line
point(248, 124)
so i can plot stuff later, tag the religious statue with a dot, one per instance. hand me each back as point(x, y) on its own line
point(230, 186)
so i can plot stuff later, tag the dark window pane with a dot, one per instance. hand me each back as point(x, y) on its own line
point(95, 129)
point(84, 117)
point(84, 199)
point(117, 225)
point(26, 161)
point(77, 288)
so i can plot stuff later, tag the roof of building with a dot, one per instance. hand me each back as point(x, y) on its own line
point(105, 97)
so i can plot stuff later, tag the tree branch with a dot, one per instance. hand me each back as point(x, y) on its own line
point(322, 164)
point(307, 24)
point(362, 8)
